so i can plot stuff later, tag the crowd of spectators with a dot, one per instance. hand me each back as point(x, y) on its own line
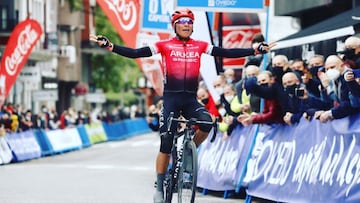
point(13, 118)
point(322, 87)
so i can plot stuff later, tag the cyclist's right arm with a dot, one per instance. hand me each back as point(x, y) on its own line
point(132, 53)
point(105, 43)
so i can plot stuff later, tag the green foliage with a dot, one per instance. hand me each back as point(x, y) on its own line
point(111, 72)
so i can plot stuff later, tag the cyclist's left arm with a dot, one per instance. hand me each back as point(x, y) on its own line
point(260, 48)
point(231, 53)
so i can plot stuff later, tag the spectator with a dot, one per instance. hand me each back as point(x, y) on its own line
point(27, 122)
point(229, 120)
point(300, 100)
point(153, 117)
point(352, 52)
point(257, 59)
point(272, 110)
point(312, 81)
point(337, 90)
point(354, 88)
point(206, 99)
point(280, 66)
point(229, 75)
point(243, 96)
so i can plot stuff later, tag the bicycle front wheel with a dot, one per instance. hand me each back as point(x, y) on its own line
point(188, 174)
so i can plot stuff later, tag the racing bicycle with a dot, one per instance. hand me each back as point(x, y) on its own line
point(182, 175)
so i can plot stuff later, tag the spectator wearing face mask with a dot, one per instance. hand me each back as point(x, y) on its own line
point(206, 99)
point(280, 66)
point(337, 90)
point(300, 100)
point(312, 81)
point(229, 75)
point(271, 112)
point(353, 83)
point(229, 121)
point(242, 95)
point(351, 53)
point(218, 84)
point(276, 90)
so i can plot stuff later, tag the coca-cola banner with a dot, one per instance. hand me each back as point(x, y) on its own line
point(23, 38)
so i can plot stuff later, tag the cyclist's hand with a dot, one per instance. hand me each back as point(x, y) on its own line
point(263, 48)
point(102, 41)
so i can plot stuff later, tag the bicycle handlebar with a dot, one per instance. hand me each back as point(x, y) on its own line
point(193, 121)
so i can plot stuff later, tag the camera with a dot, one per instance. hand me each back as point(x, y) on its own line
point(299, 92)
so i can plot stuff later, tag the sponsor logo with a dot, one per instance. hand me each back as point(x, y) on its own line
point(125, 13)
point(24, 43)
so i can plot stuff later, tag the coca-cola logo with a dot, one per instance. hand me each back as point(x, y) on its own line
point(125, 13)
point(25, 41)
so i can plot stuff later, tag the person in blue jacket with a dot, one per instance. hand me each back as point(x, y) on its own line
point(337, 89)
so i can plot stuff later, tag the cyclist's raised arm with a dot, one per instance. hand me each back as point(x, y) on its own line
point(260, 48)
point(105, 43)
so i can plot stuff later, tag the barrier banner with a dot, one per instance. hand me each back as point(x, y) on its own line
point(5, 152)
point(96, 133)
point(295, 164)
point(64, 139)
point(220, 165)
point(23, 145)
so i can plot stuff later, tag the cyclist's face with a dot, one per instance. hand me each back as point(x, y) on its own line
point(184, 27)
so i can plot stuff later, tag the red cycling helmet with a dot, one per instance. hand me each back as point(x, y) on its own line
point(181, 13)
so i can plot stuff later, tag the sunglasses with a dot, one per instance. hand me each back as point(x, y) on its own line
point(182, 21)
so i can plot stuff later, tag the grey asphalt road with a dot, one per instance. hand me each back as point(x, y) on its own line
point(117, 171)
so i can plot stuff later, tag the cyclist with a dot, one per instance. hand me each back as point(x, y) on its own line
point(181, 59)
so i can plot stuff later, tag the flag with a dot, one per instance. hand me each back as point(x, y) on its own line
point(22, 40)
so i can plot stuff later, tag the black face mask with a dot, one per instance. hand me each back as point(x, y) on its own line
point(291, 89)
point(264, 85)
point(300, 73)
point(349, 54)
point(314, 70)
point(205, 101)
point(277, 71)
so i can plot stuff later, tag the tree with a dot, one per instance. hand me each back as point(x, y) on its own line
point(112, 72)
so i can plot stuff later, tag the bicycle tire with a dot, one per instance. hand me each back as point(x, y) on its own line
point(187, 177)
point(170, 182)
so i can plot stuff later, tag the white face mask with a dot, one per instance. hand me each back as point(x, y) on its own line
point(333, 74)
point(219, 90)
point(229, 98)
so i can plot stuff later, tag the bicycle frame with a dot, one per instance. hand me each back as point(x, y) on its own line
point(177, 154)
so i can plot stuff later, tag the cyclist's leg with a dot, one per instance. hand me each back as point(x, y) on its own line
point(198, 111)
point(162, 160)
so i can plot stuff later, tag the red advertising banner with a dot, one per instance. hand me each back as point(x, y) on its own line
point(238, 30)
point(125, 16)
point(23, 39)
point(238, 37)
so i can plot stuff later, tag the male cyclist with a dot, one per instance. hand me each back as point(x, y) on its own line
point(181, 60)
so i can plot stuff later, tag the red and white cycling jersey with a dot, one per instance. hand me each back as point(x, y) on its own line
point(181, 63)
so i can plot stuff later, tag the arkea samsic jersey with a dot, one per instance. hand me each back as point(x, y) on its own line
point(181, 63)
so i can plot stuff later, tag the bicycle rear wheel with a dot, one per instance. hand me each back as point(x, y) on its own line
point(187, 177)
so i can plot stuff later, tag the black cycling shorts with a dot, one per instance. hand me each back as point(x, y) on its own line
point(186, 104)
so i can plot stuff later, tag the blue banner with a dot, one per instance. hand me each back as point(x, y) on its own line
point(156, 15)
point(295, 164)
point(23, 145)
point(222, 161)
point(223, 5)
